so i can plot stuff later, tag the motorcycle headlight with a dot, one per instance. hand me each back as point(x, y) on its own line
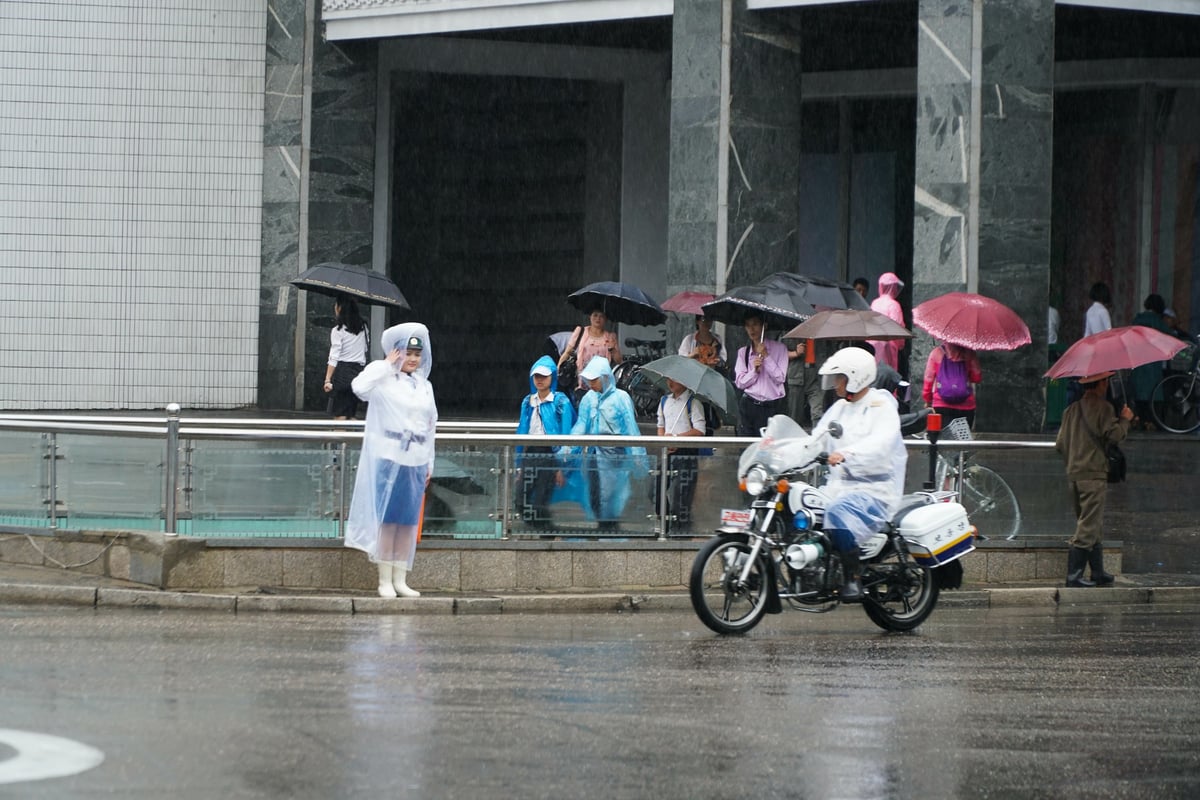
point(756, 480)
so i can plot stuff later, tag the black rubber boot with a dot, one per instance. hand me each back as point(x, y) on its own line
point(851, 591)
point(1077, 561)
point(1096, 562)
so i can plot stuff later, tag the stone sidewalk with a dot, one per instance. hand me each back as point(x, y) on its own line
point(43, 586)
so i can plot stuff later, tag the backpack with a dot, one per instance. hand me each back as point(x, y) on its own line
point(951, 381)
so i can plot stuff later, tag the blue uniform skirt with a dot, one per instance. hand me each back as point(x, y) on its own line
point(399, 490)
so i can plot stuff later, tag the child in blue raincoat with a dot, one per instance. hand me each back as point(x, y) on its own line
point(544, 411)
point(607, 410)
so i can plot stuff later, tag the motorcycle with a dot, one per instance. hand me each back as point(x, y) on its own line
point(776, 550)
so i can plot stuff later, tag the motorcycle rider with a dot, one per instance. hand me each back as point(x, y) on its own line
point(867, 468)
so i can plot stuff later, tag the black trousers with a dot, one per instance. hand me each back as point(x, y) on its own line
point(681, 488)
point(753, 414)
point(538, 468)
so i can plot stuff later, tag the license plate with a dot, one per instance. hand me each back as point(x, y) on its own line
point(736, 517)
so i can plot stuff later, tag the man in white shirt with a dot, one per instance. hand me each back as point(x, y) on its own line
point(680, 414)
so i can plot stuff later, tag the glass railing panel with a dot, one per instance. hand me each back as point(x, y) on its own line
point(464, 496)
point(110, 483)
point(23, 494)
point(1008, 493)
point(716, 488)
point(270, 489)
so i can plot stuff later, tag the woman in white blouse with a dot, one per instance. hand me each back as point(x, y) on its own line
point(348, 344)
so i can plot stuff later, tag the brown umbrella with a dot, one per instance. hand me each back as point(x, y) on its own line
point(849, 325)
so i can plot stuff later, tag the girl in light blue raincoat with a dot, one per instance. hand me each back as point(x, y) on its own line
point(607, 410)
point(545, 410)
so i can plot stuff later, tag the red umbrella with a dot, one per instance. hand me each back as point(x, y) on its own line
point(972, 320)
point(1115, 349)
point(687, 302)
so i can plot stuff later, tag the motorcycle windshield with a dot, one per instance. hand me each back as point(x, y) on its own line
point(784, 446)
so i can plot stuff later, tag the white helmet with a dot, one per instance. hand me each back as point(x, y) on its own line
point(855, 363)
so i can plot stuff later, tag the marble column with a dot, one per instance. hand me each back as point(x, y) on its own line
point(282, 157)
point(984, 149)
point(332, 220)
point(735, 149)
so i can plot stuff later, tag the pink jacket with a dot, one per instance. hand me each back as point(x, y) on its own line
point(889, 289)
point(974, 374)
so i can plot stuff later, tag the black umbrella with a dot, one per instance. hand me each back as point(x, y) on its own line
point(821, 293)
point(620, 302)
point(361, 283)
point(784, 299)
point(777, 307)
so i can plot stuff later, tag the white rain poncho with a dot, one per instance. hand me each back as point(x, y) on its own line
point(397, 453)
point(875, 464)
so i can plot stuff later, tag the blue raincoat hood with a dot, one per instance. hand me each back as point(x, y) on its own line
point(598, 367)
point(544, 361)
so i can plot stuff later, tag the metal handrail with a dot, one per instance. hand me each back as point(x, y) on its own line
point(173, 428)
point(450, 430)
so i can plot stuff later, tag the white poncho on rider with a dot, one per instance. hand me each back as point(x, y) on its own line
point(876, 459)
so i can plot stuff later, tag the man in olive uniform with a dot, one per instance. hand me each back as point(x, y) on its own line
point(1088, 428)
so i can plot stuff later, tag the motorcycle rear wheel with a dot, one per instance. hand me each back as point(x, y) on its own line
point(720, 601)
point(899, 594)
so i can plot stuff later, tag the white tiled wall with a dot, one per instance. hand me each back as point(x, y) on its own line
point(130, 202)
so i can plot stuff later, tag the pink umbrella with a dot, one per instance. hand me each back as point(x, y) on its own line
point(687, 302)
point(972, 320)
point(1115, 349)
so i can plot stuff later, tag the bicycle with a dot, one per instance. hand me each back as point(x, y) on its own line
point(991, 504)
point(629, 377)
point(1176, 400)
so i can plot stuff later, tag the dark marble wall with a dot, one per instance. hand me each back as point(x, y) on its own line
point(764, 148)
point(1015, 157)
point(341, 183)
point(764, 139)
point(1016, 160)
point(282, 157)
point(340, 192)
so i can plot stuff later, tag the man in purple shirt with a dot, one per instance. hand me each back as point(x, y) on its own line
point(759, 371)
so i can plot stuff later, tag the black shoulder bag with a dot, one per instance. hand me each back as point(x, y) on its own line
point(568, 370)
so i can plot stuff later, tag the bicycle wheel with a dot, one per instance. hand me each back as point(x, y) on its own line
point(645, 395)
point(990, 503)
point(1176, 403)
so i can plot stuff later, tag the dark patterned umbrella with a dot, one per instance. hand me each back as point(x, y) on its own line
point(784, 299)
point(620, 302)
point(361, 283)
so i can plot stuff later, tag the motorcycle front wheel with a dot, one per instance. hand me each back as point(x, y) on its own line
point(900, 594)
point(721, 600)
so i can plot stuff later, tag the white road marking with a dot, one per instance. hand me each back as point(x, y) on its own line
point(40, 756)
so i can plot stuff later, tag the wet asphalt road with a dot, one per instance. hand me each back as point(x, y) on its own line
point(1079, 702)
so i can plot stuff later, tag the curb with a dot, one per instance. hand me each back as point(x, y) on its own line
point(1052, 597)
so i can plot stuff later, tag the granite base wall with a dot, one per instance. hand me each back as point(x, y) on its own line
point(173, 562)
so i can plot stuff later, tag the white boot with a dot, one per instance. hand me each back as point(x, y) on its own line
point(399, 572)
point(385, 579)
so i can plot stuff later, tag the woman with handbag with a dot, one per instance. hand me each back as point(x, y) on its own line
point(348, 344)
point(1089, 429)
point(586, 344)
